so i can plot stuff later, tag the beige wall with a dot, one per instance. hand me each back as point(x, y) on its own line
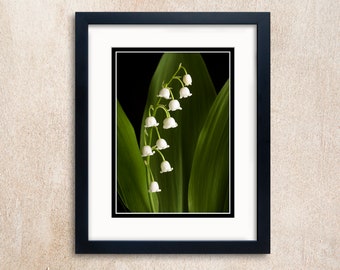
point(37, 136)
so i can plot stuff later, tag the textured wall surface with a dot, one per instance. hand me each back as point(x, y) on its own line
point(37, 136)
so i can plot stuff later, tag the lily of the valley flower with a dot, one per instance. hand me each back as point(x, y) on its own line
point(187, 79)
point(147, 151)
point(184, 92)
point(164, 93)
point(169, 122)
point(151, 122)
point(154, 187)
point(174, 105)
point(162, 144)
point(149, 147)
point(165, 167)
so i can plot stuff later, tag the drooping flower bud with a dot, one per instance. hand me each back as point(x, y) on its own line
point(184, 92)
point(165, 167)
point(151, 122)
point(147, 151)
point(187, 79)
point(164, 93)
point(169, 122)
point(154, 187)
point(162, 144)
point(174, 105)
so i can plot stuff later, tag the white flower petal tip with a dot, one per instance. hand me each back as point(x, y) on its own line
point(165, 167)
point(174, 105)
point(187, 79)
point(184, 92)
point(154, 187)
point(150, 122)
point(161, 144)
point(147, 151)
point(169, 123)
point(164, 93)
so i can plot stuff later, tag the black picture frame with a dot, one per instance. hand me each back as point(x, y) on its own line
point(262, 242)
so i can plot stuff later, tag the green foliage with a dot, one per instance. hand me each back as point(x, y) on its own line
point(182, 140)
point(132, 181)
point(209, 185)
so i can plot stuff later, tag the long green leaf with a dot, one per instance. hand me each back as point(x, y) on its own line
point(209, 180)
point(190, 119)
point(132, 181)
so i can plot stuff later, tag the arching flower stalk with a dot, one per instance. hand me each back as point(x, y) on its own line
point(151, 123)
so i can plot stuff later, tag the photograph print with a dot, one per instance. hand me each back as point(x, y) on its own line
point(173, 132)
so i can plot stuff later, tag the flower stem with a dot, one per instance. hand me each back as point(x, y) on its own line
point(159, 152)
point(159, 136)
point(163, 108)
point(173, 76)
point(158, 101)
point(144, 133)
point(149, 172)
point(152, 203)
point(179, 81)
point(150, 108)
point(149, 175)
point(184, 70)
point(152, 178)
point(172, 95)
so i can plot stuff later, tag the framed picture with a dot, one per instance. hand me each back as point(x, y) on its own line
point(172, 132)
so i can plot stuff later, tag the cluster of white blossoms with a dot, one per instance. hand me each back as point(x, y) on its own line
point(168, 122)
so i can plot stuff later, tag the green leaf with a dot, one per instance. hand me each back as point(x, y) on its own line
point(182, 139)
point(131, 173)
point(209, 180)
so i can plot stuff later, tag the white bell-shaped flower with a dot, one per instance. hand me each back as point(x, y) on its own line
point(162, 144)
point(147, 151)
point(169, 122)
point(165, 167)
point(151, 122)
point(174, 105)
point(184, 92)
point(154, 187)
point(164, 93)
point(187, 79)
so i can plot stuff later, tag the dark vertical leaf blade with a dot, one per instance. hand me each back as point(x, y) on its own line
point(190, 119)
point(132, 182)
point(209, 179)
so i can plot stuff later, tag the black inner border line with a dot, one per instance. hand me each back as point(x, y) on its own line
point(114, 196)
